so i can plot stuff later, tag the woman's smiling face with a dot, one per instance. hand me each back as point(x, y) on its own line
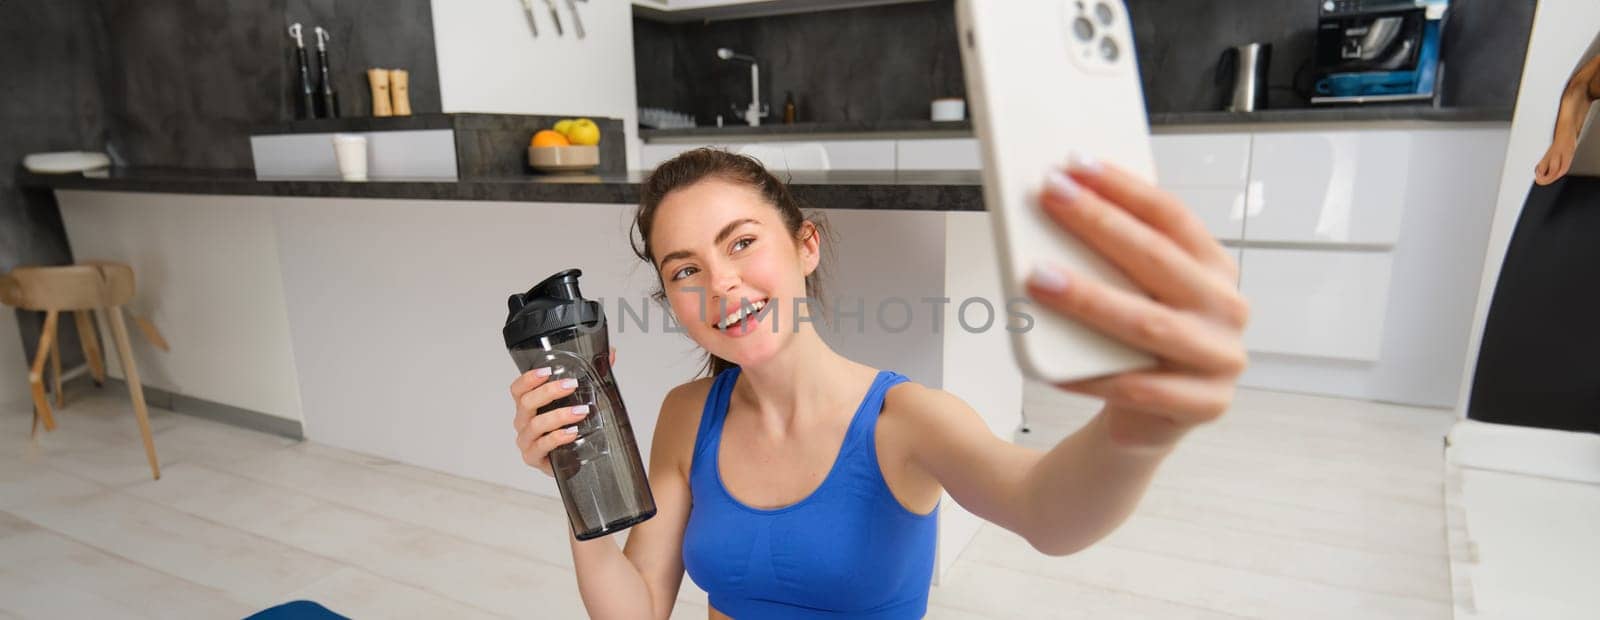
point(718, 246)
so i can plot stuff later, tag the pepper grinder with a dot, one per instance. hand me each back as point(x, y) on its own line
point(327, 100)
point(400, 91)
point(379, 79)
point(305, 99)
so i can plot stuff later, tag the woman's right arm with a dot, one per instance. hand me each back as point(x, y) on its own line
point(642, 580)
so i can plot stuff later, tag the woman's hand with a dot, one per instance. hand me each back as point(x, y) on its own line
point(1191, 317)
point(1557, 160)
point(538, 434)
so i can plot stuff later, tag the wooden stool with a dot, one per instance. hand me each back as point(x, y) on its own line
point(79, 289)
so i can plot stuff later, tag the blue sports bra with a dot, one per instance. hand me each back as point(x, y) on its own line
point(848, 550)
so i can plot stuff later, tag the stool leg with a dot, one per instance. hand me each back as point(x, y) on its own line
point(55, 368)
point(119, 332)
point(90, 337)
point(41, 405)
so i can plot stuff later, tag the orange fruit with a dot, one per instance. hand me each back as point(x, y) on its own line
point(549, 137)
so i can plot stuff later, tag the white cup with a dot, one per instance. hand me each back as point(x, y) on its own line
point(949, 109)
point(351, 152)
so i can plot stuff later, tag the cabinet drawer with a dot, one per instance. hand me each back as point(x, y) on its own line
point(1335, 187)
point(1207, 160)
point(651, 155)
point(1209, 173)
point(1321, 303)
point(860, 154)
point(938, 154)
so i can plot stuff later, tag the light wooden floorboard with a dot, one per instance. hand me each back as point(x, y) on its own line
point(1290, 507)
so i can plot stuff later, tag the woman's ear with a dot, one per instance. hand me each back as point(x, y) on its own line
point(810, 247)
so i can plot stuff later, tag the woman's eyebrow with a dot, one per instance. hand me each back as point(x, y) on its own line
point(721, 235)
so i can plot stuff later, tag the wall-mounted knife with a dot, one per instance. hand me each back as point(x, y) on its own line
point(554, 16)
point(577, 22)
point(527, 7)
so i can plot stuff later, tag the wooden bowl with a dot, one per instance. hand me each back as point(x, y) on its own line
point(564, 159)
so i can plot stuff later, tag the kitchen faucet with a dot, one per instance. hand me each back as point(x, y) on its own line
point(756, 110)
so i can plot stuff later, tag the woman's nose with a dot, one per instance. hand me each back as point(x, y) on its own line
point(724, 279)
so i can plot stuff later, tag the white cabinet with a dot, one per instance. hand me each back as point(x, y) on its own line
point(860, 154)
point(651, 154)
point(938, 154)
point(786, 155)
point(1209, 172)
point(1328, 186)
point(1319, 303)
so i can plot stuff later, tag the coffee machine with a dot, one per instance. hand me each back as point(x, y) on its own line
point(1370, 51)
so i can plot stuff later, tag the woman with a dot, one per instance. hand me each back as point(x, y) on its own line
point(786, 493)
point(1536, 363)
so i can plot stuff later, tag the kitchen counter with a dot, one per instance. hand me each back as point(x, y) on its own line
point(935, 190)
point(1159, 122)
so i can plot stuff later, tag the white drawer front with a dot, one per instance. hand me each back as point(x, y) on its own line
point(1334, 187)
point(1321, 303)
point(1209, 173)
point(939, 154)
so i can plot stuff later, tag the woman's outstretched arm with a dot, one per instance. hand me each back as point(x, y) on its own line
point(1188, 314)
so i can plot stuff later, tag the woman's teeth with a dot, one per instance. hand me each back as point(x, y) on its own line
point(743, 311)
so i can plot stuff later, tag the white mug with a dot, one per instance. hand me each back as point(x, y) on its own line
point(949, 109)
point(351, 153)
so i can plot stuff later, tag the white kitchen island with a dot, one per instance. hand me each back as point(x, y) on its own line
point(375, 322)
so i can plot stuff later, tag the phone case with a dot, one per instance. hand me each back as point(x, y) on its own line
point(1047, 78)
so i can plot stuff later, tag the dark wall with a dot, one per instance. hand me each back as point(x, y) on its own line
point(51, 102)
point(1179, 44)
point(190, 78)
point(874, 63)
point(172, 83)
point(887, 62)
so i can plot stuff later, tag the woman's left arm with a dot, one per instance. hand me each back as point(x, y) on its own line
point(1190, 317)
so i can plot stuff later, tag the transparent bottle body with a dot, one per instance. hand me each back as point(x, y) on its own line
point(600, 474)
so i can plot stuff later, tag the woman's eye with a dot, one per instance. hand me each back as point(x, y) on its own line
point(679, 274)
point(737, 246)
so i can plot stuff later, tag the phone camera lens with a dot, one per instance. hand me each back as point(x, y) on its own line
point(1102, 12)
point(1083, 29)
point(1109, 49)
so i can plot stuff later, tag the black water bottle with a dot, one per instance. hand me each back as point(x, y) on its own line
point(600, 474)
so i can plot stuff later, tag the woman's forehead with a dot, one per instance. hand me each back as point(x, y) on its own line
point(695, 214)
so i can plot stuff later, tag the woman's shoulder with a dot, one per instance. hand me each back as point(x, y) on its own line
point(679, 420)
point(911, 409)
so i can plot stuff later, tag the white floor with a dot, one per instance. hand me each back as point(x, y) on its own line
point(1291, 507)
point(1523, 507)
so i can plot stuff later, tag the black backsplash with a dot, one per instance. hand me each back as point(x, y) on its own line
point(875, 63)
point(172, 83)
point(888, 62)
point(51, 102)
point(188, 79)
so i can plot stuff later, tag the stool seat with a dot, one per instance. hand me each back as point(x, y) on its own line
point(82, 289)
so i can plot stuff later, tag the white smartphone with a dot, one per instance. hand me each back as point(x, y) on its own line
point(1047, 78)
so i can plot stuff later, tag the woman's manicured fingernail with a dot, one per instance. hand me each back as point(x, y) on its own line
point(1083, 162)
point(569, 383)
point(1048, 278)
point(570, 430)
point(541, 372)
point(1063, 187)
point(580, 411)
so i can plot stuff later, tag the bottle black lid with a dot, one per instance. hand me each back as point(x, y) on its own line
point(551, 305)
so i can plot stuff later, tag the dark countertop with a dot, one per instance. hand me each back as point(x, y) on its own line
point(922, 190)
point(1159, 121)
